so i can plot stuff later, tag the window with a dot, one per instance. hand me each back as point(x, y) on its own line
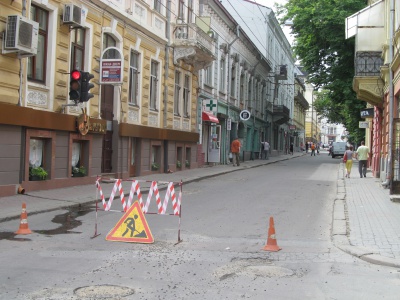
point(134, 78)
point(249, 92)
point(109, 41)
point(186, 96)
point(37, 64)
point(155, 157)
point(157, 5)
point(208, 75)
point(222, 75)
point(241, 87)
point(36, 149)
point(190, 11)
point(153, 85)
point(181, 5)
point(233, 81)
point(177, 92)
point(77, 49)
point(78, 168)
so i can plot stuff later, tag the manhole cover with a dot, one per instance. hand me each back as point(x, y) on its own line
point(103, 291)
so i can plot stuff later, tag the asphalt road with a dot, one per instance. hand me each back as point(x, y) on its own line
point(224, 227)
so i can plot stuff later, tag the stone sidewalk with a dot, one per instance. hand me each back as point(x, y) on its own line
point(366, 223)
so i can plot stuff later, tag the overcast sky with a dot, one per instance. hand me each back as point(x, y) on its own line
point(270, 3)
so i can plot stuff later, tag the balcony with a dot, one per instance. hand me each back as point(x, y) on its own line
point(281, 114)
point(193, 46)
point(269, 107)
point(367, 82)
point(299, 97)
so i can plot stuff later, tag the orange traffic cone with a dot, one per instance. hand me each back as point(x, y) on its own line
point(23, 226)
point(271, 244)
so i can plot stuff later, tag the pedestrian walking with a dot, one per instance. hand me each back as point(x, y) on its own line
point(235, 149)
point(306, 147)
point(291, 148)
point(349, 160)
point(362, 156)
point(265, 147)
point(312, 149)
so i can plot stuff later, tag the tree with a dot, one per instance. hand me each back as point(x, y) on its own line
point(327, 56)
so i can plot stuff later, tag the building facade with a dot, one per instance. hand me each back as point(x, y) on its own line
point(142, 118)
point(250, 85)
point(377, 82)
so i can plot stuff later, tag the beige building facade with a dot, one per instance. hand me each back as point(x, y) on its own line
point(142, 117)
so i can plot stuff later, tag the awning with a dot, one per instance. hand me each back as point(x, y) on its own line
point(208, 116)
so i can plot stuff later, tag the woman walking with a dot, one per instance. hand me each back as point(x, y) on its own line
point(349, 162)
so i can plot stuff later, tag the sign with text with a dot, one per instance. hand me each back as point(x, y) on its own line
point(229, 124)
point(367, 113)
point(363, 124)
point(111, 66)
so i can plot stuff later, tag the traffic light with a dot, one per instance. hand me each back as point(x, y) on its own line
point(86, 86)
point(75, 85)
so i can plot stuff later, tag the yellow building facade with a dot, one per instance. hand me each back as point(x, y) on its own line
point(142, 118)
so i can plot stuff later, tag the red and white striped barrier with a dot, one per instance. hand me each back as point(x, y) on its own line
point(135, 189)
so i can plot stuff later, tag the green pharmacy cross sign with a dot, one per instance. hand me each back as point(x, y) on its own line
point(210, 105)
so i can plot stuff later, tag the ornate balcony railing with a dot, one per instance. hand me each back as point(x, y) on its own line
point(281, 114)
point(281, 109)
point(368, 63)
point(193, 45)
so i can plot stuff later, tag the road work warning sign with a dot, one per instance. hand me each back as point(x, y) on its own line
point(132, 227)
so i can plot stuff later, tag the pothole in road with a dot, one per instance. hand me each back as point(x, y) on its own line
point(253, 268)
point(103, 292)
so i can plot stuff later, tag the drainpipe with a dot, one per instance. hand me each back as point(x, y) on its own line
point(166, 71)
point(227, 144)
point(20, 61)
point(391, 96)
point(166, 65)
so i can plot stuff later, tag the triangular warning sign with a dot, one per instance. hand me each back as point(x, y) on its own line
point(132, 227)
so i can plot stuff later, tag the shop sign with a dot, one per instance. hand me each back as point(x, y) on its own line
point(244, 115)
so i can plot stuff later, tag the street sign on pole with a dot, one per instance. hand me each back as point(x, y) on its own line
point(229, 124)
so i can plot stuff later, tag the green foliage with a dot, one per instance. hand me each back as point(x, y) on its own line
point(178, 164)
point(327, 57)
point(39, 172)
point(154, 166)
point(79, 171)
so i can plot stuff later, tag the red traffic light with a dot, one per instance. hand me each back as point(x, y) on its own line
point(76, 75)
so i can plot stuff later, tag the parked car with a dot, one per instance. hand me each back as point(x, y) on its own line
point(338, 149)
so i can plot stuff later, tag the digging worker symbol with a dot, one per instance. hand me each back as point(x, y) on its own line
point(130, 226)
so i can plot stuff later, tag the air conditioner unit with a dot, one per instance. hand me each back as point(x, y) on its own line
point(21, 35)
point(281, 72)
point(72, 15)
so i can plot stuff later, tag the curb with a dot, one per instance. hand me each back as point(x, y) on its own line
point(160, 187)
point(340, 230)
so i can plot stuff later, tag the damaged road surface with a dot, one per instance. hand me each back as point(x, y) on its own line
point(223, 230)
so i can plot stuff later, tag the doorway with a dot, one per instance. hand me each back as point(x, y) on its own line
point(133, 143)
point(214, 142)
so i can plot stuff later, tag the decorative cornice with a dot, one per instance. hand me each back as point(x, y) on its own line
point(369, 89)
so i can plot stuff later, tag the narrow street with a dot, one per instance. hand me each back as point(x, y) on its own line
point(224, 227)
